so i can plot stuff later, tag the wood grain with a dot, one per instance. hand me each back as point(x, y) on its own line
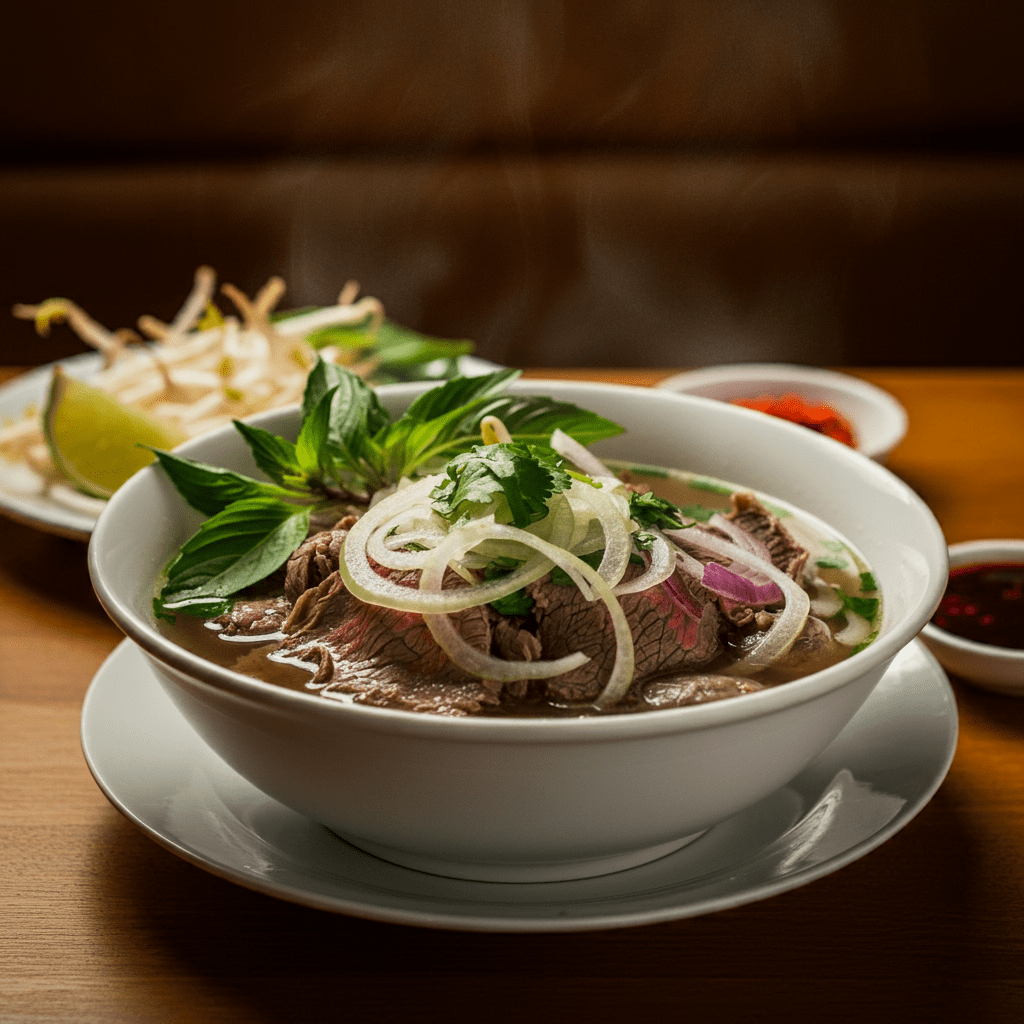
point(100, 924)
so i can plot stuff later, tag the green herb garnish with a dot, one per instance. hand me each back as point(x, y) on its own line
point(650, 510)
point(831, 562)
point(401, 354)
point(865, 607)
point(514, 481)
point(347, 448)
point(562, 579)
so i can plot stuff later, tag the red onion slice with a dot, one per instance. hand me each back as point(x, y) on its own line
point(788, 624)
point(734, 587)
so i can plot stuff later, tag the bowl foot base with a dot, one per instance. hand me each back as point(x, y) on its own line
point(532, 871)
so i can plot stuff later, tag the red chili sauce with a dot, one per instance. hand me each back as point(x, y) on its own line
point(985, 603)
point(820, 417)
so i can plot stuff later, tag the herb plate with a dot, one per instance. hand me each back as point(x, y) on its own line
point(61, 510)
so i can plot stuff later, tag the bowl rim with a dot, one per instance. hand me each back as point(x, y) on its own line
point(485, 729)
point(980, 552)
point(893, 422)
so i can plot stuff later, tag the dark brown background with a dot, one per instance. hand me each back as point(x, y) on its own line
point(594, 184)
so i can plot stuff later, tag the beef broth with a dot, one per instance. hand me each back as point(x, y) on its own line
point(689, 643)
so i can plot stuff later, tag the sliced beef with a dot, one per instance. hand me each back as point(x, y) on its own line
point(384, 657)
point(667, 634)
point(750, 515)
point(680, 691)
point(814, 648)
point(315, 559)
point(254, 617)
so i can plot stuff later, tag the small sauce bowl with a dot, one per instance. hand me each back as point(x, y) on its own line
point(879, 421)
point(988, 665)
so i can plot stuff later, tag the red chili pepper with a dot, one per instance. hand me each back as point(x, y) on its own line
point(822, 418)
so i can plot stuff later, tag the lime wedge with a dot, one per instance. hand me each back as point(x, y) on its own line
point(94, 439)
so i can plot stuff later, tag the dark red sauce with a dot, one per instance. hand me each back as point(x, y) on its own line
point(985, 603)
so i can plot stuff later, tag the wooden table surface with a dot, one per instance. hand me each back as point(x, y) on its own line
point(101, 924)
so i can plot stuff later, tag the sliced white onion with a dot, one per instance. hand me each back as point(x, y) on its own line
point(742, 539)
point(369, 586)
point(586, 578)
point(825, 601)
point(579, 455)
point(663, 564)
point(618, 542)
point(690, 565)
point(415, 525)
point(469, 658)
point(856, 630)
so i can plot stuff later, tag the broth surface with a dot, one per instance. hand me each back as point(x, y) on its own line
point(832, 560)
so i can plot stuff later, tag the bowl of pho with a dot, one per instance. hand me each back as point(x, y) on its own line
point(516, 630)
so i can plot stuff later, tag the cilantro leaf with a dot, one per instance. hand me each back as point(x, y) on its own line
point(517, 479)
point(650, 510)
point(517, 603)
point(831, 562)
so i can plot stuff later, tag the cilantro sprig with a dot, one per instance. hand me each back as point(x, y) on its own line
point(650, 510)
point(514, 481)
point(347, 448)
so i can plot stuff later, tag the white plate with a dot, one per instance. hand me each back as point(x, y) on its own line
point(64, 511)
point(864, 788)
point(879, 421)
point(23, 495)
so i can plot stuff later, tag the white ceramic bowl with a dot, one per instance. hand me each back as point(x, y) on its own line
point(878, 420)
point(535, 799)
point(995, 668)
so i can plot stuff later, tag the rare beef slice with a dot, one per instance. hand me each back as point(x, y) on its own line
point(668, 633)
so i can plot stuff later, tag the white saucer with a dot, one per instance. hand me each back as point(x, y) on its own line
point(863, 789)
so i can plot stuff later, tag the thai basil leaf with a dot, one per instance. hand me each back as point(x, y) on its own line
point(274, 455)
point(400, 346)
point(312, 448)
point(434, 418)
point(532, 419)
point(357, 409)
point(237, 547)
point(211, 489)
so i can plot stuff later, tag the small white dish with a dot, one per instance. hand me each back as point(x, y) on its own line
point(878, 420)
point(62, 510)
point(866, 786)
point(1000, 669)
